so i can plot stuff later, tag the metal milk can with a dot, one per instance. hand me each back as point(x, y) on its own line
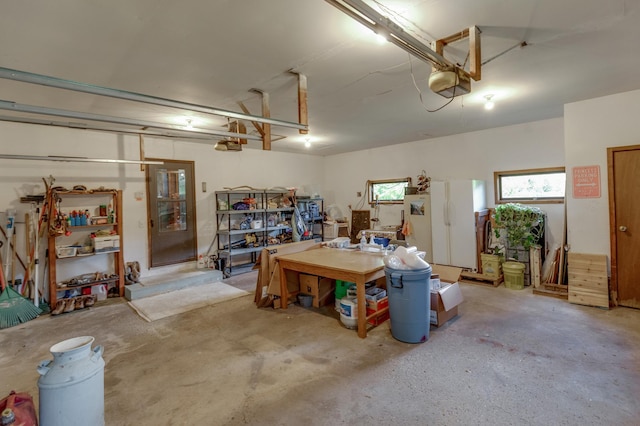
point(72, 384)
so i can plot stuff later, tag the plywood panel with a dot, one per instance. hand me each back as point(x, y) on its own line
point(360, 219)
point(588, 280)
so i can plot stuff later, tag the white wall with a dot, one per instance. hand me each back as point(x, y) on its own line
point(580, 139)
point(591, 127)
point(257, 168)
point(470, 155)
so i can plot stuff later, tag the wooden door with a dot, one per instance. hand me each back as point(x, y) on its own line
point(624, 211)
point(171, 210)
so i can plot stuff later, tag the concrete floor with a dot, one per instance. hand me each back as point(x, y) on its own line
point(509, 358)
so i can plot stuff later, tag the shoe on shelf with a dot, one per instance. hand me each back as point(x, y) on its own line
point(70, 305)
point(60, 305)
point(79, 301)
point(89, 300)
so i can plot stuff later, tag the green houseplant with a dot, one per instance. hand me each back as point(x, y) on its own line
point(519, 225)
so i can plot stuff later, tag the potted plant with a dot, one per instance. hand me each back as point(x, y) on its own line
point(519, 225)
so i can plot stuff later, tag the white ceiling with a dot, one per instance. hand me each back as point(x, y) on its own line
point(360, 92)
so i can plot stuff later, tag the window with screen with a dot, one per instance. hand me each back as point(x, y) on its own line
point(530, 186)
point(388, 191)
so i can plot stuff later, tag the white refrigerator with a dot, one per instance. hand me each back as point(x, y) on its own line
point(417, 212)
point(453, 222)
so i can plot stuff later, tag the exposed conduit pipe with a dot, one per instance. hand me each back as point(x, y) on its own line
point(33, 109)
point(27, 77)
point(182, 134)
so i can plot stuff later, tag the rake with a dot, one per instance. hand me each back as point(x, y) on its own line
point(14, 309)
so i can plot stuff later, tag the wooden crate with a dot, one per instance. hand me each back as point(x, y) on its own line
point(473, 278)
point(560, 291)
point(588, 279)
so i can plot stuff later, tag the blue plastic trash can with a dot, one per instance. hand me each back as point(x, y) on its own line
point(409, 303)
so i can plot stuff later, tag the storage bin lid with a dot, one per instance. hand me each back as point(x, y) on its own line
point(513, 266)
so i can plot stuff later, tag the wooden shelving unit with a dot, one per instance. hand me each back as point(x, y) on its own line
point(87, 200)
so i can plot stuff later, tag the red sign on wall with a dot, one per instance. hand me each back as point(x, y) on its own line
point(586, 182)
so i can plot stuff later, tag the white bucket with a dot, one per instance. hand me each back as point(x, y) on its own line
point(256, 224)
point(72, 385)
point(349, 312)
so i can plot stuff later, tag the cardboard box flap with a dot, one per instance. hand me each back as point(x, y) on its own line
point(451, 296)
point(448, 274)
point(272, 253)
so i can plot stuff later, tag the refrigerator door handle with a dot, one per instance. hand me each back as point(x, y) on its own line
point(447, 219)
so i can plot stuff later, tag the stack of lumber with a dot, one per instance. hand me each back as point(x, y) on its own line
point(553, 280)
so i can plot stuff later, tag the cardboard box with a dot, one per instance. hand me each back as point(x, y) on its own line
point(445, 301)
point(320, 288)
point(374, 306)
point(268, 283)
point(379, 319)
point(375, 293)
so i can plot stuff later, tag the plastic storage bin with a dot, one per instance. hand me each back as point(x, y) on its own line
point(491, 265)
point(409, 303)
point(513, 275)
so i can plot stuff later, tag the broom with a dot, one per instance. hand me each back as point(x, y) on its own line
point(14, 309)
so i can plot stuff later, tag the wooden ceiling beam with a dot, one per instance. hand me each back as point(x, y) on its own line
point(266, 112)
point(257, 126)
point(265, 128)
point(303, 113)
point(475, 60)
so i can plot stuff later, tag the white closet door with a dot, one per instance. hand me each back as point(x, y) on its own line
point(439, 227)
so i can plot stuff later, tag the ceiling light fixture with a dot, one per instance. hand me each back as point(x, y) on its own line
point(307, 143)
point(381, 39)
point(189, 125)
point(489, 104)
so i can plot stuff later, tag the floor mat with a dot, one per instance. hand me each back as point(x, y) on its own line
point(176, 302)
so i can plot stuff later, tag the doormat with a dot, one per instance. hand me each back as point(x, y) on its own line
point(164, 305)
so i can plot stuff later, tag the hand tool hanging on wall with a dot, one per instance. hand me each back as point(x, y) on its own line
point(36, 259)
point(13, 259)
point(20, 261)
point(11, 216)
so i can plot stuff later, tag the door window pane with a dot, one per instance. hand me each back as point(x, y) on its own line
point(171, 184)
point(172, 216)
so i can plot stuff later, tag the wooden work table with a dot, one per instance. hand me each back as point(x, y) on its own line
point(339, 264)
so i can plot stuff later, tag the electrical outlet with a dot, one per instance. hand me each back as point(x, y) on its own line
point(358, 194)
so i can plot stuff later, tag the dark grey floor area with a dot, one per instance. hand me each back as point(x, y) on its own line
point(508, 358)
